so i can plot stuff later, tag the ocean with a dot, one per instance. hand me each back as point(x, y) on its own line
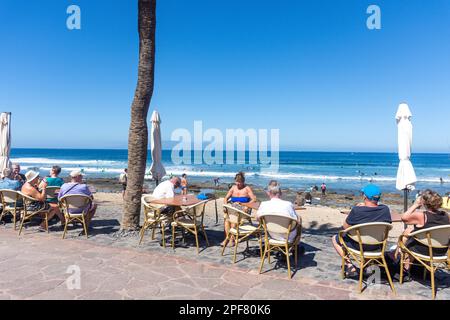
point(341, 171)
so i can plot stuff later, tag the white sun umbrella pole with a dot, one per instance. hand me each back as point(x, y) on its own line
point(157, 169)
point(406, 177)
point(5, 140)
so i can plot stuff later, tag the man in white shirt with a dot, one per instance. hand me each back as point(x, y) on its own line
point(166, 189)
point(279, 207)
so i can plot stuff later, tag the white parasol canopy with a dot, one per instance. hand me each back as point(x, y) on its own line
point(157, 169)
point(5, 140)
point(406, 177)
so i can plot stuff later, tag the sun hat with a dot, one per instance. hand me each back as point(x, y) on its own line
point(31, 175)
point(372, 192)
point(76, 173)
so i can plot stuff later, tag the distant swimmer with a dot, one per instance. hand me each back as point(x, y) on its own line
point(441, 180)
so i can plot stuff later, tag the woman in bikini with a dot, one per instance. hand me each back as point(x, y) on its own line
point(239, 193)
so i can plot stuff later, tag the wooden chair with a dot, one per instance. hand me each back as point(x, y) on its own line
point(11, 203)
point(280, 225)
point(375, 233)
point(28, 213)
point(154, 218)
point(75, 202)
point(435, 237)
point(191, 220)
point(52, 193)
point(242, 230)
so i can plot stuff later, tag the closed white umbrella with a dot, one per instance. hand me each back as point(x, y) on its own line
point(157, 169)
point(406, 177)
point(5, 140)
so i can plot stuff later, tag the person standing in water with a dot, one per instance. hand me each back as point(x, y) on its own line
point(184, 184)
point(324, 188)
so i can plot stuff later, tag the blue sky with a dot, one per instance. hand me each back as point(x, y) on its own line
point(310, 68)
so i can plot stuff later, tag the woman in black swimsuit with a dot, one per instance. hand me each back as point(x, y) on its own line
point(431, 216)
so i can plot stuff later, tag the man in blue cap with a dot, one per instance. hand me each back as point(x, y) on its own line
point(366, 212)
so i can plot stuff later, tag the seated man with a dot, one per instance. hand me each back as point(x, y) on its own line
point(31, 189)
point(277, 206)
point(366, 212)
point(16, 175)
point(75, 186)
point(164, 190)
point(7, 183)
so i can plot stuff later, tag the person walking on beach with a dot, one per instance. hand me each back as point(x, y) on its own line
point(324, 188)
point(184, 184)
point(123, 179)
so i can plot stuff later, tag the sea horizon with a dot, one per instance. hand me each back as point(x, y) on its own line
point(298, 170)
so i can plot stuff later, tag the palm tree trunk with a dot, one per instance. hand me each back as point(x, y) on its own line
point(138, 133)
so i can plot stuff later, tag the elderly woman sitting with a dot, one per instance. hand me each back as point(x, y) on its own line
point(30, 188)
point(429, 216)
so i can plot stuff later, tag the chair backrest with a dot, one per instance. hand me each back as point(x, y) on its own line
point(278, 224)
point(9, 196)
point(75, 201)
point(370, 233)
point(438, 237)
point(27, 199)
point(198, 209)
point(51, 192)
point(234, 215)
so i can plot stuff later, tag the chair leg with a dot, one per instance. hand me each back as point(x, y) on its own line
point(46, 222)
point(65, 228)
point(142, 232)
point(263, 258)
point(236, 243)
point(206, 237)
point(163, 226)
point(14, 219)
point(173, 237)
point(343, 268)
point(388, 274)
point(401, 267)
point(361, 273)
point(85, 227)
point(288, 261)
point(153, 232)
point(21, 224)
point(260, 247)
point(433, 287)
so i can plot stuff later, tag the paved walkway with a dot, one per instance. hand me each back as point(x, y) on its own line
point(41, 266)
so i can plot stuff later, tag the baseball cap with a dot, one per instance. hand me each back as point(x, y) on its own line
point(75, 173)
point(372, 192)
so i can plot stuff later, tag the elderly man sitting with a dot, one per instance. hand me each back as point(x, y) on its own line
point(76, 186)
point(164, 190)
point(7, 183)
point(277, 206)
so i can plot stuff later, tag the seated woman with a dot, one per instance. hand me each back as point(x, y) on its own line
point(431, 216)
point(30, 188)
point(239, 193)
point(52, 181)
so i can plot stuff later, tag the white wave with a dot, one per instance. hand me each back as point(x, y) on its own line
point(47, 161)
